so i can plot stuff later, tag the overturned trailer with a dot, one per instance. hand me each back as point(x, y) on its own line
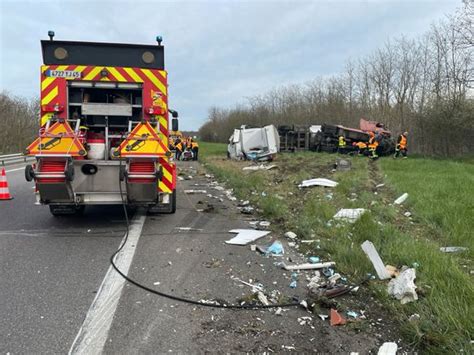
point(254, 143)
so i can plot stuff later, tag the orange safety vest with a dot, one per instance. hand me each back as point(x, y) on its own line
point(373, 144)
point(194, 145)
point(403, 142)
point(361, 145)
point(179, 146)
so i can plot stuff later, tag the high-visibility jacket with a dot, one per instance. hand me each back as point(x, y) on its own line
point(361, 145)
point(179, 146)
point(373, 144)
point(402, 141)
point(342, 142)
point(194, 145)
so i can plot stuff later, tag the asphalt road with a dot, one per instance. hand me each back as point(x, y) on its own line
point(52, 269)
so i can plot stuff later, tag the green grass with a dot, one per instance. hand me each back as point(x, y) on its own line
point(440, 199)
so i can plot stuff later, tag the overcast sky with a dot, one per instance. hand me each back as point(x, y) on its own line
point(217, 52)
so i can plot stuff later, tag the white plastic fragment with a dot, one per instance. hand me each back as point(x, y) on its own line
point(403, 287)
point(318, 182)
point(308, 266)
point(369, 249)
point(262, 298)
point(245, 236)
point(349, 214)
point(290, 235)
point(401, 199)
point(259, 167)
point(452, 249)
point(189, 229)
point(195, 191)
point(388, 348)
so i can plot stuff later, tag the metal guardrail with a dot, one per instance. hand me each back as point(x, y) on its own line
point(14, 158)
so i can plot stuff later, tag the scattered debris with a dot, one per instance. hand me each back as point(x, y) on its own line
point(247, 210)
point(245, 236)
point(304, 320)
point(189, 229)
point(349, 214)
point(379, 185)
point(336, 318)
point(195, 191)
point(294, 280)
point(343, 165)
point(414, 317)
point(313, 284)
point(243, 203)
point(262, 298)
point(276, 248)
point(388, 349)
point(264, 224)
point(369, 249)
point(318, 182)
point(452, 249)
point(308, 266)
point(323, 316)
point(314, 259)
point(392, 270)
point(401, 199)
point(259, 167)
point(253, 247)
point(407, 214)
point(353, 314)
point(290, 235)
point(403, 286)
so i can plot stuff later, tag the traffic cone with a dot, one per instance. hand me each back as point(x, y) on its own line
point(4, 192)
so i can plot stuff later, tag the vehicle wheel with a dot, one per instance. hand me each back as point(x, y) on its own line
point(29, 173)
point(164, 209)
point(66, 210)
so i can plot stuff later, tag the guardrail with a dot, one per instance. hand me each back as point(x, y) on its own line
point(13, 158)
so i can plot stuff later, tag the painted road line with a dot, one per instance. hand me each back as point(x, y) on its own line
point(94, 331)
point(9, 171)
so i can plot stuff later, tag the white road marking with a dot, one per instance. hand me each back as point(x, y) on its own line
point(94, 331)
point(9, 171)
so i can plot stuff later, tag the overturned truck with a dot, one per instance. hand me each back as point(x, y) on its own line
point(325, 137)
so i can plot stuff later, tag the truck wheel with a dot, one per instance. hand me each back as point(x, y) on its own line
point(164, 209)
point(29, 173)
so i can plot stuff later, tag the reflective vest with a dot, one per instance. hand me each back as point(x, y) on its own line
point(361, 145)
point(179, 146)
point(373, 144)
point(403, 142)
point(194, 145)
point(342, 142)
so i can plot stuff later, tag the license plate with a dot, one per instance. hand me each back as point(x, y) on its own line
point(67, 74)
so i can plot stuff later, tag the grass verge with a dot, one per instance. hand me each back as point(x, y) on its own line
point(441, 204)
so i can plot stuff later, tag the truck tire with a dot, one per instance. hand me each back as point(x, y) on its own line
point(29, 173)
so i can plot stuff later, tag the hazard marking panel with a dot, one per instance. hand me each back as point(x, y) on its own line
point(143, 140)
point(58, 139)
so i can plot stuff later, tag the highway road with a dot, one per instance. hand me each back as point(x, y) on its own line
point(58, 293)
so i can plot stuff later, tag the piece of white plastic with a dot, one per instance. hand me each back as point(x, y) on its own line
point(403, 287)
point(318, 182)
point(388, 348)
point(308, 266)
point(452, 249)
point(245, 236)
point(369, 249)
point(349, 214)
point(401, 199)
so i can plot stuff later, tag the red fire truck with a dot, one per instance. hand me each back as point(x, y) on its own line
point(104, 128)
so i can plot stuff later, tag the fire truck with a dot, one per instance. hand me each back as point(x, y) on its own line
point(104, 128)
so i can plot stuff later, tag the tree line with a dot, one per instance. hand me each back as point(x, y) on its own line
point(423, 85)
point(19, 122)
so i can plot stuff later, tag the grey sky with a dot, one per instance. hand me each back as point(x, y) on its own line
point(217, 52)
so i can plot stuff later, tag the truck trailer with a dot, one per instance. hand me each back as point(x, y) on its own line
point(104, 128)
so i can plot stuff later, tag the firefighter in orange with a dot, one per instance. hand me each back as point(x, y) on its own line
point(373, 144)
point(360, 146)
point(195, 149)
point(402, 146)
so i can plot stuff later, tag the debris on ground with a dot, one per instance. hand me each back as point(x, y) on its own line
point(195, 191)
point(294, 280)
point(276, 248)
point(392, 270)
point(401, 199)
point(349, 214)
point(314, 259)
point(414, 317)
point(403, 287)
point(336, 318)
point(259, 167)
point(307, 266)
point(379, 186)
point(189, 229)
point(353, 314)
point(304, 320)
point(262, 298)
point(452, 249)
point(318, 182)
point(245, 236)
point(247, 210)
point(343, 165)
point(388, 348)
point(369, 249)
point(290, 235)
point(407, 214)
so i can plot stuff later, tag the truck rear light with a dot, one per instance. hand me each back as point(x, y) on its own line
point(154, 110)
point(52, 108)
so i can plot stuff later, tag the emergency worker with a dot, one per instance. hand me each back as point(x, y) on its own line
point(341, 144)
point(178, 144)
point(373, 144)
point(360, 146)
point(402, 146)
point(195, 149)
